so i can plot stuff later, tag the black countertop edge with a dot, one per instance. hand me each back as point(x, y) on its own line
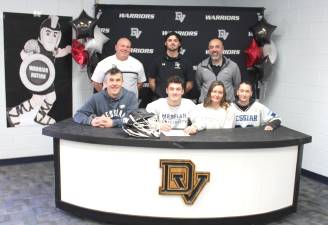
point(116, 218)
point(235, 138)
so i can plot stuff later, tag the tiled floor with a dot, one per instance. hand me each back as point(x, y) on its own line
point(27, 198)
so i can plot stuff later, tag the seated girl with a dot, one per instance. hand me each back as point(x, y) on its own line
point(250, 113)
point(213, 113)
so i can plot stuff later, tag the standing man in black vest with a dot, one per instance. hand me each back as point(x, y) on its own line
point(172, 63)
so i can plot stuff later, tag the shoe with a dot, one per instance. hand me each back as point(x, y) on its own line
point(12, 120)
point(44, 119)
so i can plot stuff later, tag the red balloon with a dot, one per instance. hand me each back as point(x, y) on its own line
point(253, 53)
point(78, 53)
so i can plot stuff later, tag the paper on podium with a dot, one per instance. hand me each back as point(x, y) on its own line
point(177, 133)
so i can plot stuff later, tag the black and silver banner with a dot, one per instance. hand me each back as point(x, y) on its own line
point(146, 27)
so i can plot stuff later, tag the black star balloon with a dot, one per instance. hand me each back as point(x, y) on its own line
point(262, 31)
point(84, 25)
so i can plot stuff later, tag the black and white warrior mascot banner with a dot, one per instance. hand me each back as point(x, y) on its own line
point(37, 71)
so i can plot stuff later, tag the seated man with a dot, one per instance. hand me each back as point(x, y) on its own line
point(173, 111)
point(250, 113)
point(108, 107)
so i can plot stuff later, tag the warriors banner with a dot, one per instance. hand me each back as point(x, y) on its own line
point(146, 27)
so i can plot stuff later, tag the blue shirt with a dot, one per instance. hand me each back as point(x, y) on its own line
point(102, 104)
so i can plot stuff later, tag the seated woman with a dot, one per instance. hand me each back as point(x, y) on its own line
point(214, 113)
point(250, 113)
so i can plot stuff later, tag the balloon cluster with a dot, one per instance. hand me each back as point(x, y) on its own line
point(261, 54)
point(88, 45)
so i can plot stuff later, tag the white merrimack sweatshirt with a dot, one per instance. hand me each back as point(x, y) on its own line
point(176, 116)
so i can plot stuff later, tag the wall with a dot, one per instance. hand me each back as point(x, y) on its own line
point(167, 2)
point(296, 90)
point(28, 141)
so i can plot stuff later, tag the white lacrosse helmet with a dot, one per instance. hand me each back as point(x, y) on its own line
point(141, 123)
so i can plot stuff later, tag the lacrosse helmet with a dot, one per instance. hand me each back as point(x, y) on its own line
point(141, 123)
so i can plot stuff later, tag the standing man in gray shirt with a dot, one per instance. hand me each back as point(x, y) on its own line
point(217, 68)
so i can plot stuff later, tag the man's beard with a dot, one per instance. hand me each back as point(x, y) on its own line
point(172, 49)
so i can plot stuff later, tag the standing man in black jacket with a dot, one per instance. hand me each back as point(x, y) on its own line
point(172, 63)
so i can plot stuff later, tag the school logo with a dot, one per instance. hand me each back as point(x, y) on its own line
point(180, 178)
point(179, 16)
point(223, 34)
point(182, 51)
point(116, 113)
point(37, 72)
point(177, 65)
point(135, 32)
